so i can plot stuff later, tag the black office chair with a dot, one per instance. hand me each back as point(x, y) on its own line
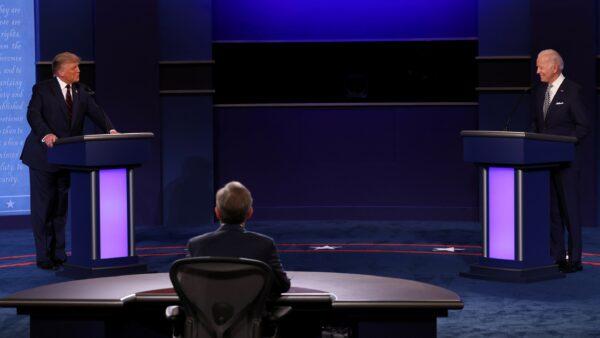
point(221, 297)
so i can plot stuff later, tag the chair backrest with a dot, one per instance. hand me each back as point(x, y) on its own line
point(222, 297)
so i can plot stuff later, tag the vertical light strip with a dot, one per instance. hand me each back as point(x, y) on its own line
point(131, 215)
point(520, 214)
point(94, 214)
point(501, 213)
point(484, 209)
point(113, 213)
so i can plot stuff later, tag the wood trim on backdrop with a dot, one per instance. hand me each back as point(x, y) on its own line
point(188, 92)
point(83, 62)
point(341, 104)
point(502, 57)
point(187, 62)
point(598, 72)
point(501, 89)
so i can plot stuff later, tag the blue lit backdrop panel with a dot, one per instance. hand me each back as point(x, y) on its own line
point(17, 75)
point(315, 20)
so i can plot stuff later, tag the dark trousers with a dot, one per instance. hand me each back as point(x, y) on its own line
point(49, 199)
point(564, 214)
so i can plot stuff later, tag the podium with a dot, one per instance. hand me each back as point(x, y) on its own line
point(515, 201)
point(101, 209)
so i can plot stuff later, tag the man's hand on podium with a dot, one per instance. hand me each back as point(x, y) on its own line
point(49, 140)
point(113, 132)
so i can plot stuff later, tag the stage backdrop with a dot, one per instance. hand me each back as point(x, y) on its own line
point(347, 109)
point(343, 20)
point(17, 75)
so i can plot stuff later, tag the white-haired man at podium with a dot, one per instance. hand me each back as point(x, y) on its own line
point(559, 110)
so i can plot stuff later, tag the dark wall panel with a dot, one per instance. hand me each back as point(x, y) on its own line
point(504, 27)
point(185, 29)
point(350, 163)
point(127, 86)
point(65, 25)
point(187, 148)
point(185, 39)
point(497, 110)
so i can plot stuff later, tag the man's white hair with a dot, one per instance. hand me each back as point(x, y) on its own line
point(554, 57)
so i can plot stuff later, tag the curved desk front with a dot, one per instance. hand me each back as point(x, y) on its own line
point(133, 306)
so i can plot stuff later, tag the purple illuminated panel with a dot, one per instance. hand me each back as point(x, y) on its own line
point(501, 213)
point(343, 20)
point(113, 213)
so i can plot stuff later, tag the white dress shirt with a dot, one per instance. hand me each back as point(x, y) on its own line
point(555, 85)
point(63, 88)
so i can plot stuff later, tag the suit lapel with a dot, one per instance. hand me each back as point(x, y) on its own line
point(558, 97)
point(75, 104)
point(61, 99)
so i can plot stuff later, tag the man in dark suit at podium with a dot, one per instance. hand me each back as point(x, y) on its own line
point(559, 110)
point(231, 239)
point(57, 109)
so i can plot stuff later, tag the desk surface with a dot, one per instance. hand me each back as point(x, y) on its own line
point(340, 290)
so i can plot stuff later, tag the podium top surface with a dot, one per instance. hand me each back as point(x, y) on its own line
point(517, 134)
point(103, 137)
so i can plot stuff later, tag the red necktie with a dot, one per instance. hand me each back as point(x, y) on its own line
point(69, 100)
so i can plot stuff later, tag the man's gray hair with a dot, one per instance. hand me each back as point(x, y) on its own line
point(234, 201)
point(554, 57)
point(62, 58)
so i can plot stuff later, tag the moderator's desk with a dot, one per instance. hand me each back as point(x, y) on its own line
point(133, 306)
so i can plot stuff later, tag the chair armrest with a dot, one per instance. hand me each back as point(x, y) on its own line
point(176, 315)
point(174, 312)
point(278, 312)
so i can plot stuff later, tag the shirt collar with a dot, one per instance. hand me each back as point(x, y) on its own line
point(559, 80)
point(61, 83)
point(230, 227)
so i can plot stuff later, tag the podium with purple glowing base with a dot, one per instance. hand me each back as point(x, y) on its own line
point(515, 201)
point(101, 201)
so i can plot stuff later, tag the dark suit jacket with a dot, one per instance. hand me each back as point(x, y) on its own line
point(566, 114)
point(48, 114)
point(231, 240)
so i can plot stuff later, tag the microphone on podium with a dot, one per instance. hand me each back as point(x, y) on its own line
point(87, 89)
point(517, 104)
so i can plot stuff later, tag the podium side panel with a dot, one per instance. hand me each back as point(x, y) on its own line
point(536, 217)
point(81, 212)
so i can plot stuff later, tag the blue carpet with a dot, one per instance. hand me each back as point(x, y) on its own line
point(558, 308)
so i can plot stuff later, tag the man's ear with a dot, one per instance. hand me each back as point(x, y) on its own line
point(249, 213)
point(218, 213)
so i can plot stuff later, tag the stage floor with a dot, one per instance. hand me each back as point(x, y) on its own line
point(426, 251)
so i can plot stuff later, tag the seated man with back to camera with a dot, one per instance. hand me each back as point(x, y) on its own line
point(231, 239)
